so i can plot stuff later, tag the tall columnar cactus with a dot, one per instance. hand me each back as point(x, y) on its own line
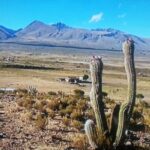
point(128, 50)
point(116, 133)
point(96, 94)
point(127, 107)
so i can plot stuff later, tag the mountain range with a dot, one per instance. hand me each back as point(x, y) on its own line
point(60, 34)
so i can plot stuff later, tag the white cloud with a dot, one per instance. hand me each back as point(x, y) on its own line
point(122, 15)
point(96, 18)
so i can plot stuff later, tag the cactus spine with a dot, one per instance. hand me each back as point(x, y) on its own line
point(121, 114)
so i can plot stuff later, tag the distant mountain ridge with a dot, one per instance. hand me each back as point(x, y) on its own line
point(6, 33)
point(63, 35)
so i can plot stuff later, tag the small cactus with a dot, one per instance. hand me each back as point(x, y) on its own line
point(91, 133)
point(32, 90)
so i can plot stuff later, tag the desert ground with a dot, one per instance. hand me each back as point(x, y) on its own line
point(61, 63)
point(42, 70)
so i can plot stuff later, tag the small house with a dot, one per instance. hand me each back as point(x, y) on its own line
point(72, 80)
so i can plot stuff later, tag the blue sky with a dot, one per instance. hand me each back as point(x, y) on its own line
point(131, 16)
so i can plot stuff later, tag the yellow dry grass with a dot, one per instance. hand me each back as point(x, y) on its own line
point(115, 82)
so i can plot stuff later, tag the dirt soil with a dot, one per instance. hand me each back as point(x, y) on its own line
point(18, 133)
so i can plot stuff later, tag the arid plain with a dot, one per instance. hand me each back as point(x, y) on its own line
point(54, 117)
point(56, 63)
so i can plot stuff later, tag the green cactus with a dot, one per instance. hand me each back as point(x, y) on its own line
point(115, 134)
point(114, 122)
point(90, 131)
point(128, 50)
point(127, 107)
point(122, 124)
point(96, 95)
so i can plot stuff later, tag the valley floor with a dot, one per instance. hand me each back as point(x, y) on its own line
point(63, 66)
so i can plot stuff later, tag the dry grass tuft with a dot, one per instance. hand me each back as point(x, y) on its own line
point(79, 93)
point(80, 142)
point(77, 124)
point(53, 104)
point(50, 113)
point(66, 121)
point(41, 121)
point(77, 115)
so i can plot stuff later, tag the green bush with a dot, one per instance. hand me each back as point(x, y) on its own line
point(105, 94)
point(52, 93)
point(140, 96)
point(85, 77)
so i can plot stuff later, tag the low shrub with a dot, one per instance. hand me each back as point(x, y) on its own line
point(52, 93)
point(80, 142)
point(77, 124)
point(41, 121)
point(77, 115)
point(50, 113)
point(67, 111)
point(53, 104)
point(66, 121)
point(89, 114)
point(27, 102)
point(82, 105)
point(85, 77)
point(24, 91)
point(79, 93)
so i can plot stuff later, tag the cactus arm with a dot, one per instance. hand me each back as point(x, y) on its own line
point(96, 68)
point(90, 131)
point(114, 121)
point(127, 107)
point(122, 124)
point(128, 50)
